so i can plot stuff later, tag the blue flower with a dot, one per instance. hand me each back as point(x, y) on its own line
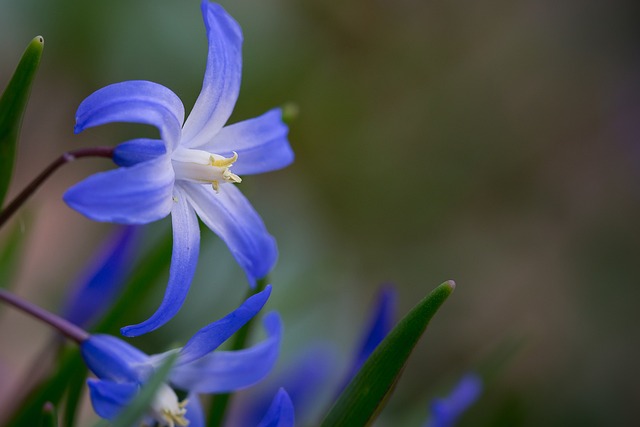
point(187, 172)
point(446, 411)
point(122, 369)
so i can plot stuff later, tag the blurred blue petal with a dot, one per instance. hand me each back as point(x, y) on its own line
point(446, 411)
point(194, 414)
point(261, 144)
point(135, 195)
point(230, 215)
point(225, 371)
point(108, 398)
point(184, 258)
point(213, 335)
point(134, 102)
point(112, 359)
point(381, 322)
point(102, 280)
point(139, 150)
point(221, 83)
point(280, 413)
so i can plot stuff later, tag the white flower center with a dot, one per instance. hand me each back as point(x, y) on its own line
point(202, 166)
point(166, 410)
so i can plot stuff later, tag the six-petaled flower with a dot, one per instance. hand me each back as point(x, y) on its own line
point(190, 171)
point(122, 369)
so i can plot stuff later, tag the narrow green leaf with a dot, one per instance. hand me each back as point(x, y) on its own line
point(75, 385)
point(366, 394)
point(12, 106)
point(132, 414)
point(10, 254)
point(49, 416)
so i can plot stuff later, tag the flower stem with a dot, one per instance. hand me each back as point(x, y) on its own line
point(220, 402)
point(67, 328)
point(65, 158)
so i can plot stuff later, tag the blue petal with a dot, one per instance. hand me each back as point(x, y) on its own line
point(136, 195)
point(230, 215)
point(194, 414)
point(136, 151)
point(113, 359)
point(380, 324)
point(109, 398)
point(213, 335)
point(261, 144)
point(280, 413)
point(134, 102)
point(226, 371)
point(184, 258)
point(221, 83)
point(99, 284)
point(446, 411)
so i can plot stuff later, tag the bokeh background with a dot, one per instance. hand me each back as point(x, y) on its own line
point(493, 142)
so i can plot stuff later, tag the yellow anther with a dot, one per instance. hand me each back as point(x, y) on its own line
point(176, 418)
point(223, 162)
point(166, 410)
point(228, 176)
point(204, 167)
point(231, 177)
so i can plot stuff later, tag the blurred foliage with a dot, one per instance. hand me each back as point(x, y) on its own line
point(13, 102)
point(494, 143)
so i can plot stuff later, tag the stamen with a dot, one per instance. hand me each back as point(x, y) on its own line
point(223, 162)
point(231, 177)
point(205, 167)
point(167, 411)
point(176, 419)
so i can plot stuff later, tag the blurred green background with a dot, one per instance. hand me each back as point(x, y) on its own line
point(494, 143)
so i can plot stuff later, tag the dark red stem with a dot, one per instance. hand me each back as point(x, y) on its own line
point(65, 158)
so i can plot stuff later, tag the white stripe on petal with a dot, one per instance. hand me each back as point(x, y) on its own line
point(135, 101)
point(221, 83)
point(230, 215)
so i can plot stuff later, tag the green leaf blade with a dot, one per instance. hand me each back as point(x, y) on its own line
point(139, 406)
point(12, 107)
point(11, 252)
point(366, 394)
